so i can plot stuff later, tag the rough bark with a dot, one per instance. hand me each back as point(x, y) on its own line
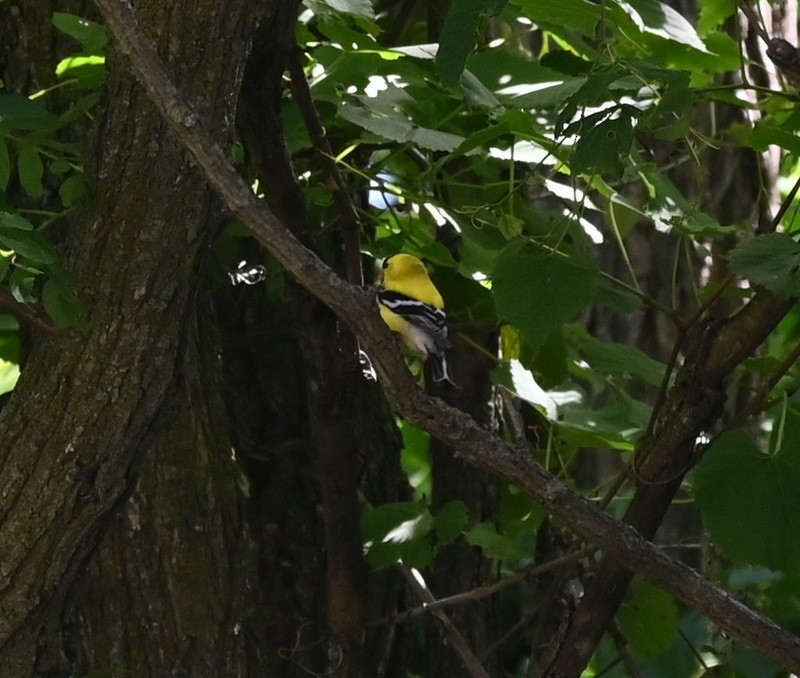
point(172, 587)
point(100, 396)
point(460, 566)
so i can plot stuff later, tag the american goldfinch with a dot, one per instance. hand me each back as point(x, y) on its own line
point(411, 305)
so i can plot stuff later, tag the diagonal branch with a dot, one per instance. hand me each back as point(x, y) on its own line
point(480, 447)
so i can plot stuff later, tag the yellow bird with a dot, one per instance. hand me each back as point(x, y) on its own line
point(411, 305)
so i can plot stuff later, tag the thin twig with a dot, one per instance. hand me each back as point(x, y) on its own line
point(453, 635)
point(351, 225)
point(28, 314)
point(482, 591)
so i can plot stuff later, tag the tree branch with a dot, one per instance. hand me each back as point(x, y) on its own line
point(471, 663)
point(452, 426)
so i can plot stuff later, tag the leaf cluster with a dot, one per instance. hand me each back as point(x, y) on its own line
point(513, 156)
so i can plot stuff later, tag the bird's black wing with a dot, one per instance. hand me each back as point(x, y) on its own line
point(428, 318)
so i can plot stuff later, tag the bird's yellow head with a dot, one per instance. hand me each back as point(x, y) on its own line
point(402, 266)
point(407, 275)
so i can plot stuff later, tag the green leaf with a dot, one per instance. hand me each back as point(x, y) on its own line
point(648, 619)
point(669, 209)
point(29, 244)
point(571, 13)
point(388, 122)
point(31, 171)
point(521, 382)
point(90, 69)
point(91, 36)
point(771, 260)
point(19, 112)
point(749, 501)
point(602, 147)
point(618, 425)
point(360, 8)
point(398, 532)
point(11, 220)
point(623, 359)
point(495, 545)
point(9, 374)
point(61, 302)
point(459, 35)
point(658, 18)
point(5, 165)
point(415, 458)
point(538, 292)
point(450, 521)
point(72, 190)
point(713, 13)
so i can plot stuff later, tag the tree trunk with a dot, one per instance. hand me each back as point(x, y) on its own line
point(116, 397)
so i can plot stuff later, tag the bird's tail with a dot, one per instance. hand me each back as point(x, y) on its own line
point(439, 369)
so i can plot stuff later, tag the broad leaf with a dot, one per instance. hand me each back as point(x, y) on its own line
point(9, 374)
point(578, 14)
point(29, 244)
point(19, 112)
point(538, 292)
point(749, 501)
point(31, 171)
point(398, 532)
point(91, 36)
point(648, 619)
point(658, 18)
point(459, 35)
point(450, 521)
point(604, 146)
point(495, 545)
point(622, 359)
point(61, 302)
point(771, 260)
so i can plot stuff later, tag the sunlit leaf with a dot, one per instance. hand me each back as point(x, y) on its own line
point(9, 374)
point(397, 532)
point(359, 8)
point(658, 18)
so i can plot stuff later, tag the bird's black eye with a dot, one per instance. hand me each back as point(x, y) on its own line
point(385, 263)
